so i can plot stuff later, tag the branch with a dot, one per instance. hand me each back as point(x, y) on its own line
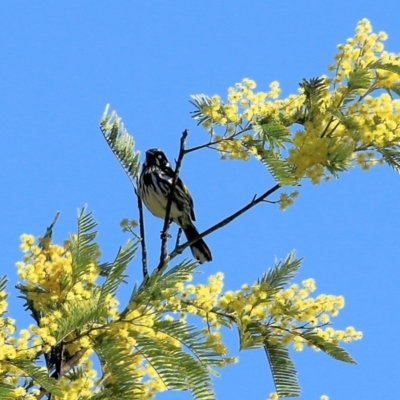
point(142, 236)
point(226, 221)
point(178, 237)
point(202, 146)
point(164, 233)
point(65, 369)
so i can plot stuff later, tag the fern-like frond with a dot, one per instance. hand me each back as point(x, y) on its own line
point(251, 335)
point(115, 275)
point(3, 294)
point(313, 91)
point(152, 287)
point(279, 168)
point(38, 375)
point(274, 133)
point(76, 373)
point(391, 156)
point(83, 250)
point(338, 158)
point(191, 340)
point(359, 78)
point(3, 284)
point(329, 348)
point(120, 142)
point(124, 381)
point(280, 275)
point(76, 316)
point(283, 371)
point(178, 369)
point(385, 66)
point(348, 122)
point(200, 101)
point(7, 391)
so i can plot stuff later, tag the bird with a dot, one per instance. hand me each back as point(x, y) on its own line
point(154, 187)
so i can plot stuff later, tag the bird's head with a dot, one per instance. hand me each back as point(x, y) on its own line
point(157, 158)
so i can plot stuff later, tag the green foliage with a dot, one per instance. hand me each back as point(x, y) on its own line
point(83, 250)
point(385, 66)
point(200, 101)
point(391, 156)
point(180, 369)
point(3, 295)
point(76, 316)
point(7, 391)
point(280, 275)
point(121, 143)
point(37, 374)
point(359, 78)
point(115, 273)
point(282, 368)
point(152, 287)
point(118, 378)
point(313, 91)
point(328, 347)
point(272, 132)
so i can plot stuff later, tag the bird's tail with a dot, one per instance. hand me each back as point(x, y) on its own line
point(200, 250)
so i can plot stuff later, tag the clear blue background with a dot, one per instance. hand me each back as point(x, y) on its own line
point(62, 62)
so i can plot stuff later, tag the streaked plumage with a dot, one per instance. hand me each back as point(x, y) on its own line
point(154, 187)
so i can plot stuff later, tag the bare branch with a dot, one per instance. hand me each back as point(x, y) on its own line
point(142, 235)
point(65, 369)
point(164, 233)
point(202, 146)
point(178, 237)
point(226, 221)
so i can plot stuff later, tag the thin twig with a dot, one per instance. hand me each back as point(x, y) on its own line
point(164, 233)
point(65, 369)
point(202, 146)
point(178, 237)
point(142, 235)
point(226, 221)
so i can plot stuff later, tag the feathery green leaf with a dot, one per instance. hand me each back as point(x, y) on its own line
point(125, 381)
point(38, 375)
point(391, 156)
point(199, 102)
point(359, 78)
point(283, 371)
point(328, 347)
point(115, 274)
point(7, 391)
point(279, 168)
point(180, 369)
point(83, 250)
point(385, 66)
point(121, 143)
point(274, 133)
point(280, 275)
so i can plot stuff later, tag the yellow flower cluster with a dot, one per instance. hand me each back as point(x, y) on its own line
point(289, 313)
point(372, 122)
point(349, 124)
point(244, 106)
point(286, 200)
point(49, 283)
point(49, 267)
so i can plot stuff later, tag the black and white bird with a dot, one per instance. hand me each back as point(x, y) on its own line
point(154, 186)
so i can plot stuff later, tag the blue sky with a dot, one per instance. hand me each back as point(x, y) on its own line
point(62, 63)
